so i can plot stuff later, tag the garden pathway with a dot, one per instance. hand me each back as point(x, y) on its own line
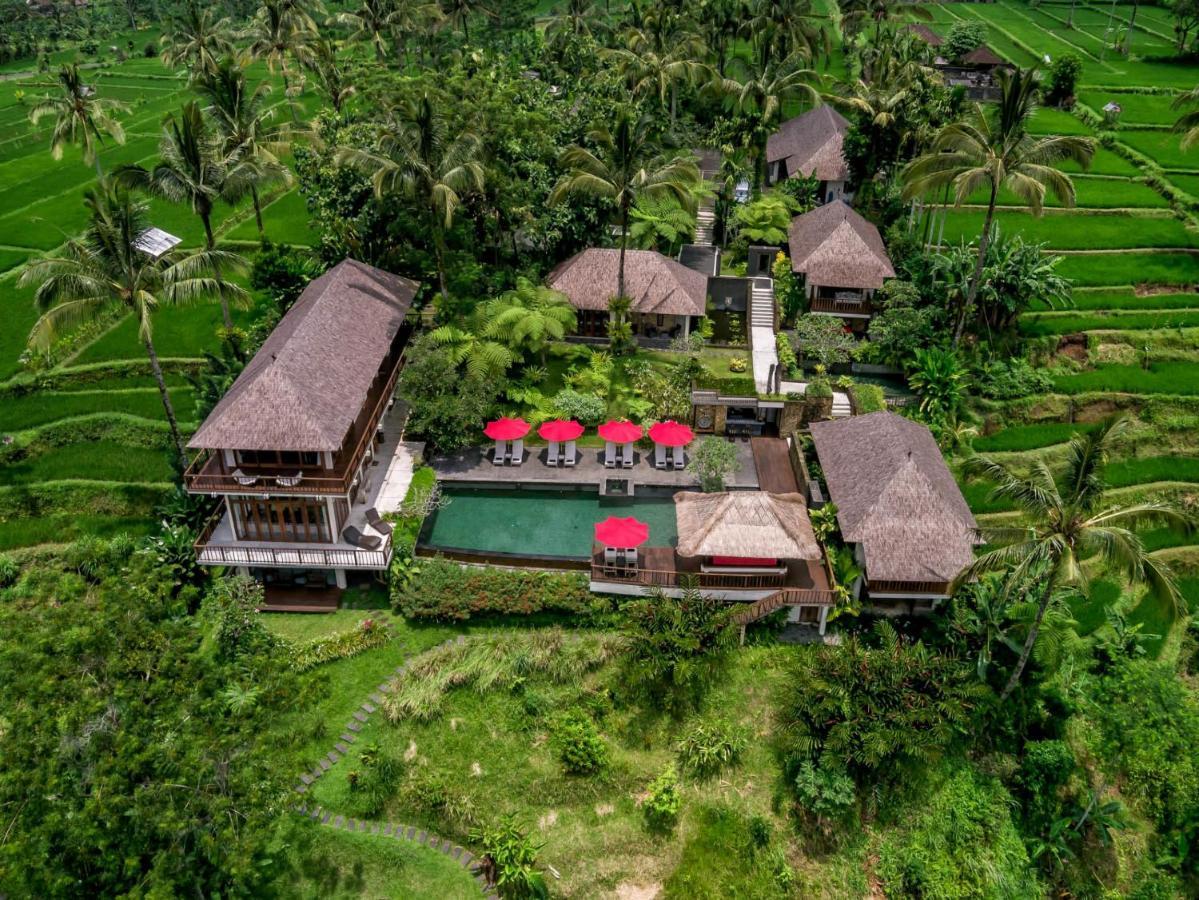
point(762, 340)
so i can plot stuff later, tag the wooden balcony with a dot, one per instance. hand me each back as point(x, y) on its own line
point(842, 305)
point(217, 545)
point(908, 588)
point(805, 581)
point(210, 474)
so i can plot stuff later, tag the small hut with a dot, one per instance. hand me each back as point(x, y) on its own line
point(744, 531)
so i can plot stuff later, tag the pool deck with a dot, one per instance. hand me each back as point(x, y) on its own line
point(474, 465)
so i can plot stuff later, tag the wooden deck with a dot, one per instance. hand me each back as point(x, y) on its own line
point(290, 598)
point(772, 459)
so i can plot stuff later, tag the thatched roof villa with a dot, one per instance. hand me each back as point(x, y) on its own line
point(811, 145)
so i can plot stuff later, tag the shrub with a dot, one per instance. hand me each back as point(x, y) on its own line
point(9, 571)
point(738, 364)
point(786, 354)
point(580, 748)
point(713, 460)
point(239, 630)
point(1063, 76)
point(282, 274)
point(1007, 379)
point(823, 793)
point(450, 592)
point(341, 645)
point(962, 38)
point(867, 398)
point(375, 783)
point(587, 408)
point(662, 802)
point(708, 748)
point(510, 859)
point(818, 389)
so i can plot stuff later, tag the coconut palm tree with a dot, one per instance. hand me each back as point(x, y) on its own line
point(577, 18)
point(105, 269)
point(281, 29)
point(413, 17)
point(993, 149)
point(856, 15)
point(332, 77)
point(196, 39)
point(628, 164)
point(1068, 522)
point(369, 23)
point(459, 12)
point(762, 96)
point(780, 28)
point(528, 317)
point(246, 123)
point(659, 72)
point(193, 169)
point(80, 117)
point(419, 159)
point(1188, 122)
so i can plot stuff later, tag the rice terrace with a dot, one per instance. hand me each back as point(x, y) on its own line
point(636, 449)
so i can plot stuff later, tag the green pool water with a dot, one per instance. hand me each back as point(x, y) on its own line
point(538, 523)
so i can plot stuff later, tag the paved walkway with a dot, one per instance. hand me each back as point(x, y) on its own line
point(773, 460)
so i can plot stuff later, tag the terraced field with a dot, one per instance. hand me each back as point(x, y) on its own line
point(88, 450)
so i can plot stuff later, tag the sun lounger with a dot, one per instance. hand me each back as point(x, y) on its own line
point(243, 479)
point(569, 456)
point(659, 456)
point(377, 522)
point(678, 458)
point(626, 455)
point(501, 451)
point(518, 452)
point(609, 455)
point(353, 536)
point(551, 454)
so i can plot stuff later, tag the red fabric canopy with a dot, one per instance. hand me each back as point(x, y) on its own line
point(671, 434)
point(621, 533)
point(506, 429)
point(620, 432)
point(747, 561)
point(560, 430)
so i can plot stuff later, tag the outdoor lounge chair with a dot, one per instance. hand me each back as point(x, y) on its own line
point(500, 454)
point(377, 522)
point(353, 536)
point(518, 452)
point(289, 480)
point(569, 456)
point(551, 454)
point(609, 455)
point(659, 456)
point(627, 455)
point(243, 479)
point(678, 458)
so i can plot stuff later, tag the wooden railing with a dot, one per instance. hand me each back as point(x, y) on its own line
point(305, 556)
point(737, 581)
point(841, 307)
point(207, 474)
point(940, 588)
point(752, 612)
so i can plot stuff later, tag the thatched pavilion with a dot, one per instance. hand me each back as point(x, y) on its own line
point(810, 145)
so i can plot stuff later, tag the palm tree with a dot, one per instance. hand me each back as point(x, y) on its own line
point(193, 169)
point(80, 117)
point(246, 124)
point(992, 149)
point(762, 97)
point(369, 23)
point(1069, 522)
point(322, 61)
point(577, 18)
point(419, 159)
point(105, 269)
point(196, 40)
point(459, 12)
point(628, 164)
point(857, 14)
point(528, 317)
point(781, 28)
point(409, 17)
point(1188, 122)
point(654, 72)
point(279, 30)
point(721, 21)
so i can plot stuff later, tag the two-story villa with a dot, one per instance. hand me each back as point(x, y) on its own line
point(304, 449)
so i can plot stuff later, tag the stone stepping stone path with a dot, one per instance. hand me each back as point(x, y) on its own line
point(341, 748)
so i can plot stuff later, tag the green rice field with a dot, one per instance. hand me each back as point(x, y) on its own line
point(1121, 299)
point(1110, 269)
point(1068, 323)
point(523, 523)
point(1027, 437)
point(1076, 230)
point(1159, 378)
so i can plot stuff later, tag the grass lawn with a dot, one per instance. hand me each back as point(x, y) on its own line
point(1070, 323)
point(1101, 270)
point(1159, 378)
point(490, 748)
point(181, 332)
point(17, 413)
point(1126, 299)
point(1162, 147)
point(28, 532)
point(299, 628)
point(100, 460)
point(285, 221)
point(332, 864)
point(1075, 230)
point(1028, 437)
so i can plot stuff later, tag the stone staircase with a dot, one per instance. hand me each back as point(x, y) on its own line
point(841, 407)
point(705, 224)
point(761, 334)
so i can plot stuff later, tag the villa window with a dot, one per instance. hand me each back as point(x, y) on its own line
point(283, 458)
point(296, 520)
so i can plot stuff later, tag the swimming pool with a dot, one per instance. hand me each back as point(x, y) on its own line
point(538, 523)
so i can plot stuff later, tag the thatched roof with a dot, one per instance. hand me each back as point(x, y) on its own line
point(709, 162)
point(984, 57)
point(811, 144)
point(655, 283)
point(305, 387)
point(926, 34)
point(835, 247)
point(746, 524)
point(896, 497)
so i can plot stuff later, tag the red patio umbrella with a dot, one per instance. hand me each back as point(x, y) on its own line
point(621, 533)
point(506, 429)
point(671, 434)
point(560, 430)
point(620, 432)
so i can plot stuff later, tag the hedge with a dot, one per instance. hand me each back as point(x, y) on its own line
point(866, 398)
point(340, 645)
point(448, 591)
point(728, 385)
